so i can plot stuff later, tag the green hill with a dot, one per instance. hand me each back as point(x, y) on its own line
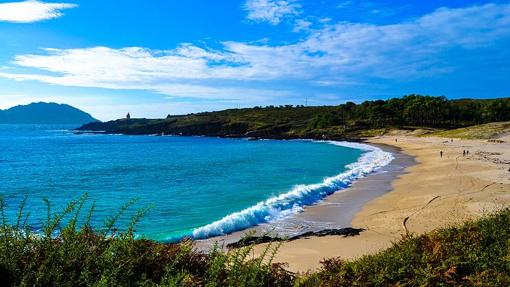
point(348, 120)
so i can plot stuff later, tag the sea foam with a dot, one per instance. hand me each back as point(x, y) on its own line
point(300, 196)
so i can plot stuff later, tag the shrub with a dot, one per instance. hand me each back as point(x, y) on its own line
point(65, 254)
point(476, 254)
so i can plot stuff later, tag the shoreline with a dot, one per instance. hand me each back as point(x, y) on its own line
point(274, 214)
point(341, 207)
point(435, 193)
point(334, 212)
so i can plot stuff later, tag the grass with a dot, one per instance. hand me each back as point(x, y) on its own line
point(485, 131)
point(69, 252)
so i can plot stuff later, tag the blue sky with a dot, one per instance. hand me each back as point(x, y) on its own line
point(154, 58)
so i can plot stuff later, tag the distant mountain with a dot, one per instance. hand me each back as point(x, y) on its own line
point(45, 113)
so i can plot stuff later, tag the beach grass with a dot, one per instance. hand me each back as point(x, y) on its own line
point(484, 131)
point(69, 252)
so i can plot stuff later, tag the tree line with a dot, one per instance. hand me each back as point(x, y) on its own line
point(416, 110)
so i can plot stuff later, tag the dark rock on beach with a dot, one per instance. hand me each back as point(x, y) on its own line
point(250, 240)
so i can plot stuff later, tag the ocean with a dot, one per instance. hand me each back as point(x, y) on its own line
point(192, 186)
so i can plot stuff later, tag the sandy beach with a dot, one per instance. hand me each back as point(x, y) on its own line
point(436, 192)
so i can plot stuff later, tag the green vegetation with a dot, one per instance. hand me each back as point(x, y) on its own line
point(476, 254)
point(63, 254)
point(485, 131)
point(348, 120)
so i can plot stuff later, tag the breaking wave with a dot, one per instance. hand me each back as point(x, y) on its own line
point(300, 196)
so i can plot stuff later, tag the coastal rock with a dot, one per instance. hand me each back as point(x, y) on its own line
point(250, 240)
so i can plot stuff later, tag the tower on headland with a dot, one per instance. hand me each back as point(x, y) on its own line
point(128, 116)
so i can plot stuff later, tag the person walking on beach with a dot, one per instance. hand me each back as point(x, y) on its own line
point(464, 153)
point(441, 154)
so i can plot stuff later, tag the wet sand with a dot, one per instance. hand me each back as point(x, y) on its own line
point(339, 209)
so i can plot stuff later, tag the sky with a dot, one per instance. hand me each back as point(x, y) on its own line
point(154, 58)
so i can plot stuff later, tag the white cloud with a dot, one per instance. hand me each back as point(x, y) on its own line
point(344, 4)
point(271, 11)
point(302, 25)
point(31, 11)
point(337, 55)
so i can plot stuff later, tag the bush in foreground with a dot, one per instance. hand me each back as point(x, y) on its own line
point(66, 253)
point(476, 254)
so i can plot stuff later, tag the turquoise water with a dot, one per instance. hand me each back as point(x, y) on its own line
point(189, 182)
